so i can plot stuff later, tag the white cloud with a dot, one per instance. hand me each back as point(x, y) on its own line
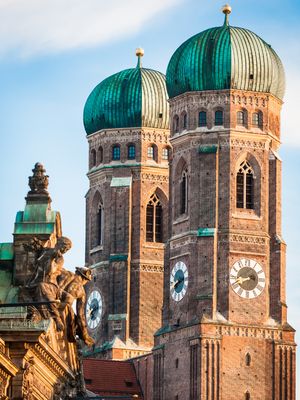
point(41, 26)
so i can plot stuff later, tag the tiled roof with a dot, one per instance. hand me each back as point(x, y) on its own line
point(111, 378)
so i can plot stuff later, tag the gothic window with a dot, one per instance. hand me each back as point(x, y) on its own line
point(218, 118)
point(165, 153)
point(202, 119)
point(257, 119)
point(247, 396)
point(93, 158)
point(154, 215)
point(116, 152)
point(248, 360)
point(183, 192)
point(99, 231)
point(184, 123)
point(100, 155)
point(176, 124)
point(244, 186)
point(131, 152)
point(241, 118)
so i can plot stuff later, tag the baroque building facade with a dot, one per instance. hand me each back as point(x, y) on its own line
point(126, 118)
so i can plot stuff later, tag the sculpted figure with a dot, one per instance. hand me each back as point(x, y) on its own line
point(49, 259)
point(72, 287)
point(44, 284)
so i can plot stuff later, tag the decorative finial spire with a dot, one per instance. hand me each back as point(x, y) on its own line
point(226, 10)
point(139, 53)
point(38, 182)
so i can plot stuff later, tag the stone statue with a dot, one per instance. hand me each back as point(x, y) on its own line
point(72, 287)
point(52, 283)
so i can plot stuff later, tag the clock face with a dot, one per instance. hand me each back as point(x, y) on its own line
point(247, 278)
point(94, 309)
point(179, 280)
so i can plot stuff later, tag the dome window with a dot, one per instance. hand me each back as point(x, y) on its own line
point(219, 118)
point(184, 124)
point(100, 155)
point(257, 119)
point(93, 158)
point(150, 152)
point(202, 119)
point(176, 124)
point(165, 153)
point(131, 152)
point(241, 118)
point(116, 152)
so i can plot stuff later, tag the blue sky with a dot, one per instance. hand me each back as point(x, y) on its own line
point(52, 54)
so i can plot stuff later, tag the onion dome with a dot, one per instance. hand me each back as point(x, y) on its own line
point(225, 57)
point(134, 97)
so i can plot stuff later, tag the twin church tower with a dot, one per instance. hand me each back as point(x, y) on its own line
point(183, 220)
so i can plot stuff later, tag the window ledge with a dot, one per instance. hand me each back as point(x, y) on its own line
point(96, 249)
point(154, 245)
point(250, 214)
point(182, 218)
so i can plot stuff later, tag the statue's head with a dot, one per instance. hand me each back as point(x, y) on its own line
point(85, 273)
point(63, 244)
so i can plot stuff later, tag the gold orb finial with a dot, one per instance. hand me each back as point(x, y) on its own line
point(139, 52)
point(226, 9)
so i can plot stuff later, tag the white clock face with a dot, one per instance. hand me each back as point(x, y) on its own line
point(247, 278)
point(179, 280)
point(94, 309)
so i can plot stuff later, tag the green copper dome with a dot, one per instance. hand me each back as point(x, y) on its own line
point(225, 57)
point(134, 97)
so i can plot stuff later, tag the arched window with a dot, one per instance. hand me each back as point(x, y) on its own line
point(218, 118)
point(257, 119)
point(247, 396)
point(202, 119)
point(99, 222)
point(165, 153)
point(184, 123)
point(116, 152)
point(150, 152)
point(93, 158)
point(244, 186)
point(100, 155)
point(154, 214)
point(131, 152)
point(176, 124)
point(241, 118)
point(183, 192)
point(248, 360)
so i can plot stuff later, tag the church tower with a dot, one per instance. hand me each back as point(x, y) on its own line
point(126, 118)
point(225, 333)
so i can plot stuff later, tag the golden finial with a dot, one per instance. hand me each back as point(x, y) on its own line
point(226, 10)
point(139, 52)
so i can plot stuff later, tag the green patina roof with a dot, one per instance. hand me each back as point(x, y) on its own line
point(134, 97)
point(35, 219)
point(6, 251)
point(225, 57)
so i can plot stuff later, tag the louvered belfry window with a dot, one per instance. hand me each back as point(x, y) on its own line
point(244, 186)
point(183, 193)
point(154, 215)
